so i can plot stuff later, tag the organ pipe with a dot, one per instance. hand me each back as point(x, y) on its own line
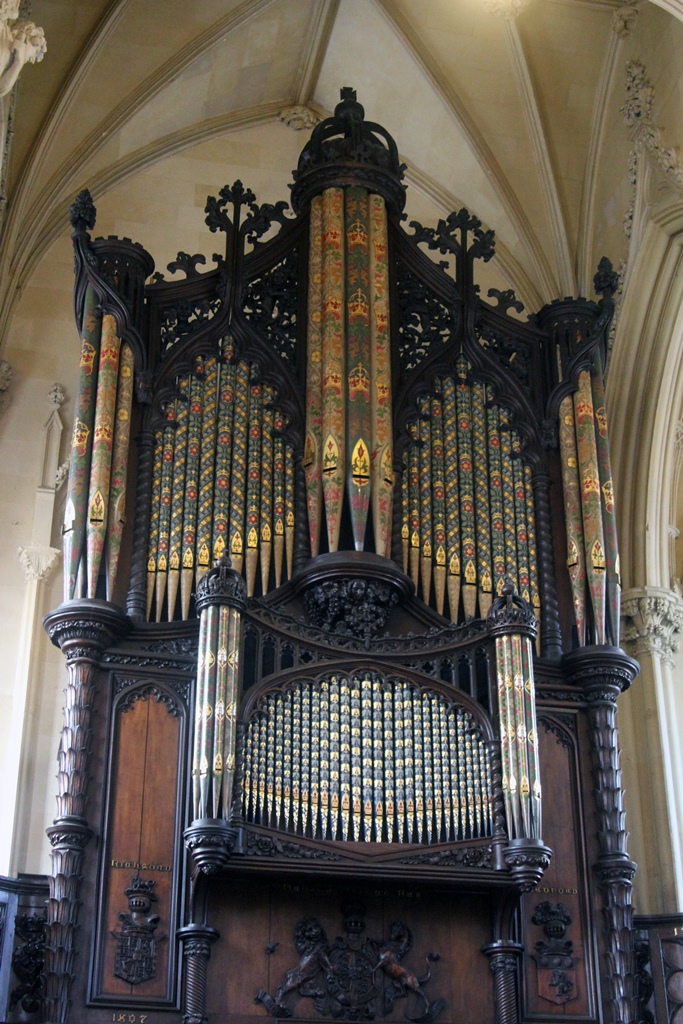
point(384, 763)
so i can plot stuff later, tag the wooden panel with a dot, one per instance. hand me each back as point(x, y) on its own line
point(141, 839)
point(563, 991)
point(257, 949)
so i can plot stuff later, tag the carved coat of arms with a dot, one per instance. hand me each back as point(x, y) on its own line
point(555, 963)
point(136, 943)
point(354, 978)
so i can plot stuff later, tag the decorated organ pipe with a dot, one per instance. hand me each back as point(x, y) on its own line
point(360, 782)
point(222, 484)
point(592, 551)
point(349, 434)
point(467, 500)
point(221, 600)
point(96, 494)
point(512, 625)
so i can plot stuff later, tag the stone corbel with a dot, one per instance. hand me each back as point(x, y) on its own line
point(38, 561)
point(298, 117)
point(652, 618)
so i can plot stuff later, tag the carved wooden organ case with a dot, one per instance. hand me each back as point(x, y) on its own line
point(341, 626)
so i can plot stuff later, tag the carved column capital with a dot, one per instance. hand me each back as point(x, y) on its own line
point(38, 561)
point(601, 671)
point(652, 618)
point(83, 629)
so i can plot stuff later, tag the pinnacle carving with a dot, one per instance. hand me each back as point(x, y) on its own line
point(651, 623)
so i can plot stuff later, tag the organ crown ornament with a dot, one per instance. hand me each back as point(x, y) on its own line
point(347, 149)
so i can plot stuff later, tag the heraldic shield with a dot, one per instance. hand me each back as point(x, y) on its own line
point(136, 944)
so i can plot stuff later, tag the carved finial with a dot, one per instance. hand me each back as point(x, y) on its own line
point(222, 585)
point(348, 144)
point(606, 280)
point(510, 611)
point(82, 212)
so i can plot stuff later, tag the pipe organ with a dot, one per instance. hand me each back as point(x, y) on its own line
point(340, 625)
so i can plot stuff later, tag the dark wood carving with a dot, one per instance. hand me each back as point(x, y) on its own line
point(28, 961)
point(136, 941)
point(554, 960)
point(477, 884)
point(354, 978)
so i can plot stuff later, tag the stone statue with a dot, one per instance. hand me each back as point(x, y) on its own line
point(21, 42)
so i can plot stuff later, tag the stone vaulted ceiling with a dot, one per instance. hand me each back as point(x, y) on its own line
point(515, 118)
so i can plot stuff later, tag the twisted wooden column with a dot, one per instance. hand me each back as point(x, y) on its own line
point(503, 961)
point(196, 939)
point(551, 634)
point(137, 591)
point(83, 630)
point(603, 673)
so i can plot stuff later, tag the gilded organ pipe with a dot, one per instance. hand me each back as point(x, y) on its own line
point(376, 760)
point(466, 500)
point(222, 482)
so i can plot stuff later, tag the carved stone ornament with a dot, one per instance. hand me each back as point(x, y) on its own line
point(136, 943)
point(556, 966)
point(27, 962)
point(298, 116)
point(6, 374)
point(354, 978)
point(21, 42)
point(624, 19)
point(222, 585)
point(506, 8)
point(638, 114)
point(38, 561)
point(651, 623)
